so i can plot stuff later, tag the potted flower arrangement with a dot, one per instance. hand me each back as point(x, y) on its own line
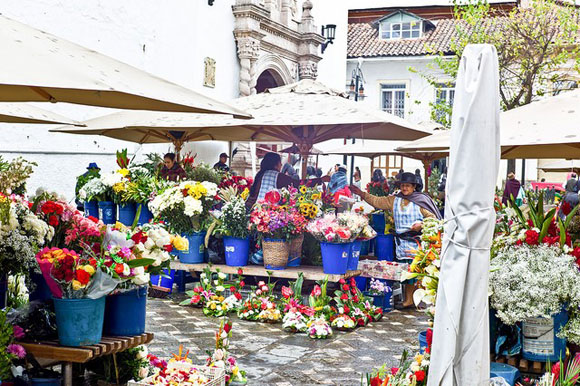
point(186, 210)
point(276, 224)
point(294, 322)
point(380, 293)
point(261, 305)
point(308, 201)
point(220, 356)
point(335, 235)
point(319, 299)
point(79, 290)
point(232, 223)
point(342, 322)
point(318, 328)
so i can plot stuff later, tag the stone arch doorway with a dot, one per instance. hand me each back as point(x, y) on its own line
point(268, 79)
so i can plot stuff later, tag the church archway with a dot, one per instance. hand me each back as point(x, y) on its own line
point(268, 79)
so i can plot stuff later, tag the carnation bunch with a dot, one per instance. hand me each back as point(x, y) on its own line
point(273, 220)
point(332, 230)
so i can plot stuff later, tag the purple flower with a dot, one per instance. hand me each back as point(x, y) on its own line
point(16, 349)
point(18, 331)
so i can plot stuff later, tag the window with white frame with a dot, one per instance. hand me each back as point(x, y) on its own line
point(393, 98)
point(444, 96)
point(401, 30)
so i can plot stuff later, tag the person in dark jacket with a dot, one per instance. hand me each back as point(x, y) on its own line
point(512, 189)
point(222, 163)
point(93, 171)
point(419, 186)
point(171, 170)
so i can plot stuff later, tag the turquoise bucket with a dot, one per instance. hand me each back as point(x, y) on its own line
point(125, 313)
point(79, 322)
point(379, 222)
point(195, 253)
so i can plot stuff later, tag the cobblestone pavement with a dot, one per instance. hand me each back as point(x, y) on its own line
point(273, 357)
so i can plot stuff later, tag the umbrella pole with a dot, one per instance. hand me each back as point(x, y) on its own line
point(304, 151)
point(178, 145)
point(426, 165)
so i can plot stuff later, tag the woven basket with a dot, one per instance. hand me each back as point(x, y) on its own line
point(296, 248)
point(275, 253)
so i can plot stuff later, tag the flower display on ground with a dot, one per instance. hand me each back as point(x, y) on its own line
point(221, 358)
point(412, 371)
point(318, 328)
point(294, 321)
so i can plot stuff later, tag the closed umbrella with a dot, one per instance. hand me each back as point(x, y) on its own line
point(40, 67)
point(26, 113)
point(547, 128)
point(304, 113)
point(460, 352)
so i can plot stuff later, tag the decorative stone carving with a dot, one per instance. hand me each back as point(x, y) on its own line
point(209, 72)
point(308, 70)
point(248, 48)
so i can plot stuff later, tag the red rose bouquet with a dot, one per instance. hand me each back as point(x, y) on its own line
point(380, 189)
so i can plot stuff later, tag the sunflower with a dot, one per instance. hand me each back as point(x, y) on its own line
point(316, 196)
point(303, 189)
point(301, 199)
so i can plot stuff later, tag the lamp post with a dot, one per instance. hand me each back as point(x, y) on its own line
point(329, 33)
point(357, 92)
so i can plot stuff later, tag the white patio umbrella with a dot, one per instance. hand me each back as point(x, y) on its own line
point(40, 67)
point(460, 352)
point(27, 113)
point(304, 113)
point(562, 166)
point(547, 128)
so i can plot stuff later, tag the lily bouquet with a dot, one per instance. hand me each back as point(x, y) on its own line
point(294, 321)
point(318, 328)
point(185, 207)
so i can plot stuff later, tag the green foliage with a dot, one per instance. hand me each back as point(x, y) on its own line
point(6, 338)
point(537, 48)
point(121, 367)
point(153, 163)
point(202, 172)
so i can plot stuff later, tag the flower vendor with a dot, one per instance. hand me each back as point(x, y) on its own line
point(269, 178)
point(409, 208)
point(171, 170)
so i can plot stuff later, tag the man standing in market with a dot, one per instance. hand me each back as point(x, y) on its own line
point(221, 164)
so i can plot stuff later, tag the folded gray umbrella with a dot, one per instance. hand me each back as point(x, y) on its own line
point(460, 352)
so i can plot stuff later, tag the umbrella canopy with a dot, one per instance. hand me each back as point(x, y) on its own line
point(305, 113)
point(547, 128)
point(460, 352)
point(26, 113)
point(372, 149)
point(561, 166)
point(40, 67)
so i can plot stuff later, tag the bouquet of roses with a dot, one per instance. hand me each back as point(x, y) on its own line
point(275, 221)
point(21, 234)
point(332, 230)
point(318, 328)
point(221, 358)
point(350, 301)
point(319, 300)
point(185, 207)
point(153, 241)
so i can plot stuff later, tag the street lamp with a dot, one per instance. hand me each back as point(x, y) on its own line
point(328, 32)
point(356, 91)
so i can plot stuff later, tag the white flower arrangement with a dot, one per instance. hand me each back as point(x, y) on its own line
point(318, 328)
point(343, 322)
point(294, 322)
point(533, 281)
point(92, 189)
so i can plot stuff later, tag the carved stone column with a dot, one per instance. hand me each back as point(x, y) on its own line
point(248, 52)
point(310, 42)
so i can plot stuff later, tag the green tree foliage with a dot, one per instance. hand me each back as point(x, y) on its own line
point(537, 50)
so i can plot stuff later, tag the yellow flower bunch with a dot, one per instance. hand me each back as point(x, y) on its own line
point(196, 191)
point(180, 243)
point(308, 210)
point(124, 172)
point(245, 193)
point(119, 187)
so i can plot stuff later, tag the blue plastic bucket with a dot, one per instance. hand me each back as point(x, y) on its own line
point(125, 313)
point(162, 283)
point(540, 342)
point(145, 216)
point(41, 291)
point(383, 301)
point(365, 247)
point(385, 247)
point(79, 322)
point(507, 372)
point(354, 255)
point(195, 253)
point(45, 381)
point(361, 282)
point(379, 222)
point(127, 213)
point(423, 342)
point(92, 209)
point(107, 212)
point(237, 251)
point(294, 261)
point(335, 257)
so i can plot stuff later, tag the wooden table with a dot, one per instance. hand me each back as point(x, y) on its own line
point(68, 355)
point(310, 272)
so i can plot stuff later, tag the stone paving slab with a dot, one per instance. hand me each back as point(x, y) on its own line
point(272, 356)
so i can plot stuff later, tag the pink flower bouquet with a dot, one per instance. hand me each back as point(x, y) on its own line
point(330, 229)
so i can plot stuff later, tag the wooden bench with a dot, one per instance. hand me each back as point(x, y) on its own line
point(310, 272)
point(51, 350)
